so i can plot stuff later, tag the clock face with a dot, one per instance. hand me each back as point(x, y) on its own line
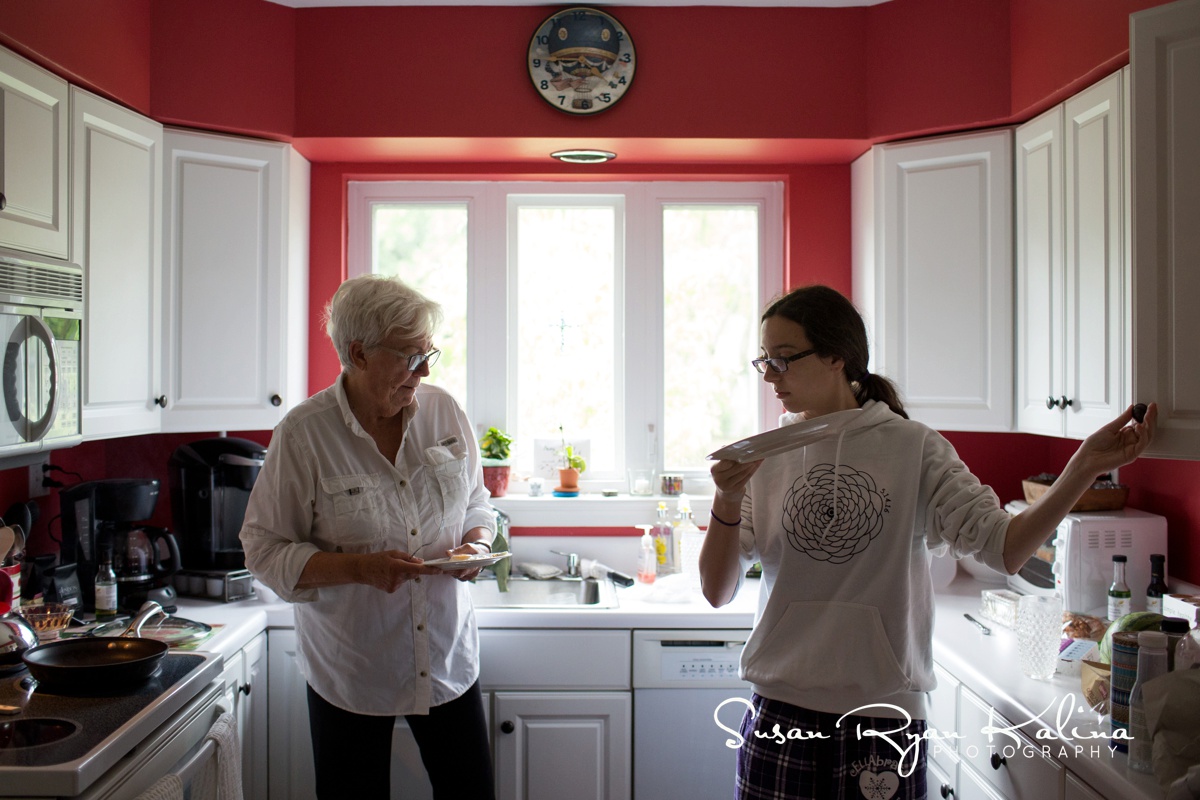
point(581, 61)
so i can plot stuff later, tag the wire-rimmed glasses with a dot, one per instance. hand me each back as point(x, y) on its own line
point(415, 360)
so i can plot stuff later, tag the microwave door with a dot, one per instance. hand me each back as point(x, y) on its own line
point(14, 381)
point(27, 384)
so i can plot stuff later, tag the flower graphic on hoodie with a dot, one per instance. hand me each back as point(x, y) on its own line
point(834, 512)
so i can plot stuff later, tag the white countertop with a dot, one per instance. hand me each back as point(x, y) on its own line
point(987, 664)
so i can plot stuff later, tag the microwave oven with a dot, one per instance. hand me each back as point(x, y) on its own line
point(1076, 561)
point(41, 330)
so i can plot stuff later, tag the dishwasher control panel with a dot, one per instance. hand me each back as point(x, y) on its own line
point(675, 659)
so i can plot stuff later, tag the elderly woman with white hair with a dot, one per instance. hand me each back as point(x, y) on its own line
point(363, 482)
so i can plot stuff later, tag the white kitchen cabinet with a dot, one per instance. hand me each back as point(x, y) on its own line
point(1073, 284)
point(34, 153)
point(555, 744)
point(932, 252)
point(562, 717)
point(236, 307)
point(1078, 790)
point(1011, 763)
point(116, 230)
point(1164, 55)
point(246, 692)
point(290, 775)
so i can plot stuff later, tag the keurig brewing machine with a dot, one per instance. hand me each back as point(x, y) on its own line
point(211, 481)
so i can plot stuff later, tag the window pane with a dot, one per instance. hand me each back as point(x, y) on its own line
point(426, 246)
point(566, 353)
point(710, 313)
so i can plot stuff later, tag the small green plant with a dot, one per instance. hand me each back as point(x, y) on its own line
point(572, 460)
point(496, 445)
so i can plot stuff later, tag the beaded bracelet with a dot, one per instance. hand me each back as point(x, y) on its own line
point(713, 514)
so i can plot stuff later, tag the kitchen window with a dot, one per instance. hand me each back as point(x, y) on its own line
point(626, 313)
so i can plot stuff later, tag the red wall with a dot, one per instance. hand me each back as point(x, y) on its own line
point(898, 69)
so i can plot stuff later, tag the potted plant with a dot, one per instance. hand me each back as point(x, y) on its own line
point(495, 449)
point(571, 464)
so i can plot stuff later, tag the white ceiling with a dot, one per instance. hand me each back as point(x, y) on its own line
point(766, 3)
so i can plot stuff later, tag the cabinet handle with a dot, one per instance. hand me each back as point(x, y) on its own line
point(244, 688)
point(161, 400)
point(1058, 402)
point(276, 400)
point(947, 791)
point(507, 727)
point(3, 201)
point(997, 761)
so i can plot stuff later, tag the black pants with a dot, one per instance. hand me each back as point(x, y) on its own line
point(353, 752)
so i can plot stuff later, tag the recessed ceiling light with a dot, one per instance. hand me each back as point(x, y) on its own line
point(583, 156)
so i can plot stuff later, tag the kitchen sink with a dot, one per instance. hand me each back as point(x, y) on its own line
point(560, 592)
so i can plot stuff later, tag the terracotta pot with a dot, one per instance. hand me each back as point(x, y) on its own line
point(496, 480)
point(568, 478)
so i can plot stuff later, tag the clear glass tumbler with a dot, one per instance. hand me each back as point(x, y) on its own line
point(1039, 632)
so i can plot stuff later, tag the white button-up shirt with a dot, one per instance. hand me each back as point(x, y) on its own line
point(326, 487)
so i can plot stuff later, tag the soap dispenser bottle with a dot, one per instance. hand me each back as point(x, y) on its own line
point(663, 535)
point(648, 560)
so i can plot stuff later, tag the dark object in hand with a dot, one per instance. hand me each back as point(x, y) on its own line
point(1139, 413)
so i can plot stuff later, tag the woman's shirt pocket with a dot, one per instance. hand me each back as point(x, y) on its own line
point(355, 507)
point(449, 486)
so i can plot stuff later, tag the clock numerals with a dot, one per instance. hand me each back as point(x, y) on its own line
point(581, 60)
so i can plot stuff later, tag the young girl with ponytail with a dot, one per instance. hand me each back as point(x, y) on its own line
point(844, 528)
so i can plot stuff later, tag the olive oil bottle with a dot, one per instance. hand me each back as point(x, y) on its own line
point(1120, 599)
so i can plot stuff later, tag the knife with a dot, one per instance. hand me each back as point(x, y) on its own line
point(986, 630)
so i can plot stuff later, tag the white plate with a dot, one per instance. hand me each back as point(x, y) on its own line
point(481, 560)
point(780, 440)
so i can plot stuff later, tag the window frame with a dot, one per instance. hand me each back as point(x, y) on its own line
point(491, 288)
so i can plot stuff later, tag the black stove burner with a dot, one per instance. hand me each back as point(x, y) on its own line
point(32, 732)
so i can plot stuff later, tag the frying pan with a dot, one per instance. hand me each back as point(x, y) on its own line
point(99, 662)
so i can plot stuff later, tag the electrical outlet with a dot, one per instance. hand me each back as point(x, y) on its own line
point(36, 489)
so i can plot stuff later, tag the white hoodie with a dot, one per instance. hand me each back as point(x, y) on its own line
point(844, 529)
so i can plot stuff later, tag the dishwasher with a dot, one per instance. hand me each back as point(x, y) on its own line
point(683, 681)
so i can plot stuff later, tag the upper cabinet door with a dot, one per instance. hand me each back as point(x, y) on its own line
point(34, 127)
point(1165, 60)
point(236, 260)
point(116, 236)
point(933, 275)
point(1072, 269)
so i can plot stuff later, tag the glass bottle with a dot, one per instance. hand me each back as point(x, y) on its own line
point(1152, 662)
point(106, 587)
point(1120, 599)
point(1158, 586)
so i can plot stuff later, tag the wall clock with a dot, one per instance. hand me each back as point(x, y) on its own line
point(581, 61)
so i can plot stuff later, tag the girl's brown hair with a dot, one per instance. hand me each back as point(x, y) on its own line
point(835, 328)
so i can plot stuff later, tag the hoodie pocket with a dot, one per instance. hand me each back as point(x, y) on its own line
point(355, 501)
point(825, 646)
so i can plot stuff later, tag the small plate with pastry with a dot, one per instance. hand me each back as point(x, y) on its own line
point(467, 560)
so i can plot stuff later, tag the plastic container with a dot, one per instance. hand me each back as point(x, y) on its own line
point(999, 605)
point(1152, 663)
point(1187, 652)
point(648, 559)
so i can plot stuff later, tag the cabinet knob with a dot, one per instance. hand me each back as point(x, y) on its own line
point(3, 201)
point(507, 727)
point(1058, 402)
point(997, 761)
point(276, 400)
point(946, 791)
point(161, 401)
point(244, 688)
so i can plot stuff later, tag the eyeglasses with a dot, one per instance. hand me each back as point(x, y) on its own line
point(414, 361)
point(779, 364)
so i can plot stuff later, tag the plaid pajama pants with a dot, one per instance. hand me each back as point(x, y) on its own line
point(783, 759)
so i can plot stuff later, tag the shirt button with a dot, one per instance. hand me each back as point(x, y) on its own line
point(403, 484)
point(413, 532)
point(420, 627)
point(424, 674)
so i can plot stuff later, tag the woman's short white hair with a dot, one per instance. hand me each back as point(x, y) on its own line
point(369, 308)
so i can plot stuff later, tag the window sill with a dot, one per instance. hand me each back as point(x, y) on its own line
point(594, 510)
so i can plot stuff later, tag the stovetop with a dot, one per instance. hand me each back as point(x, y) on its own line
point(94, 729)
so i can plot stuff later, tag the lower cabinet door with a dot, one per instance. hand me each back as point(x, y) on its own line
point(1016, 769)
point(1078, 790)
point(290, 775)
point(938, 783)
point(410, 780)
point(551, 745)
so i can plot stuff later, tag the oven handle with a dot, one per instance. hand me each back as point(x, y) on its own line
point(208, 749)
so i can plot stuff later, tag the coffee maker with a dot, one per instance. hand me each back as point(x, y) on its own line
point(103, 518)
point(211, 481)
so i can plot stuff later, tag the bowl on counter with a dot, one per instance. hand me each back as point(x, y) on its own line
point(48, 619)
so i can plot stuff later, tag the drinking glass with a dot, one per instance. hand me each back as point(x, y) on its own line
point(1039, 631)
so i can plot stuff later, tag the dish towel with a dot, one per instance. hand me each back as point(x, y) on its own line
point(221, 777)
point(168, 787)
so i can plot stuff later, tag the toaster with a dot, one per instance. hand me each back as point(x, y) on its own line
point(1076, 561)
